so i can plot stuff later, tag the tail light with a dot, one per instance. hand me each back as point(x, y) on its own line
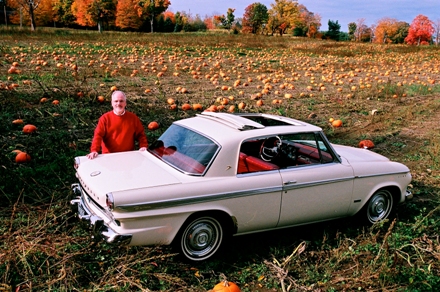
point(76, 162)
point(109, 201)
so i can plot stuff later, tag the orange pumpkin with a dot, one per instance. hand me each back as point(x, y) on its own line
point(153, 126)
point(55, 102)
point(22, 157)
point(197, 107)
point(28, 129)
point(17, 122)
point(367, 144)
point(226, 286)
point(337, 123)
point(186, 106)
point(101, 99)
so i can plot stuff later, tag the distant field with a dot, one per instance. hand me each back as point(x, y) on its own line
point(389, 94)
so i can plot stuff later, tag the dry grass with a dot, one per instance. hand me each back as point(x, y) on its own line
point(389, 94)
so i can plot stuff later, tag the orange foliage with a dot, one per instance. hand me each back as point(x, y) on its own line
point(386, 28)
point(209, 23)
point(43, 13)
point(126, 16)
point(79, 10)
point(170, 15)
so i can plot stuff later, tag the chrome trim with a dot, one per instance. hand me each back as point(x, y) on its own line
point(99, 229)
point(382, 174)
point(232, 121)
point(195, 200)
point(288, 187)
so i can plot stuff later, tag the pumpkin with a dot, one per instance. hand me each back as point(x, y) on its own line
point(55, 102)
point(212, 108)
point(337, 123)
point(226, 286)
point(197, 107)
point(28, 129)
point(153, 126)
point(367, 144)
point(22, 157)
point(186, 106)
point(113, 88)
point(101, 99)
point(17, 121)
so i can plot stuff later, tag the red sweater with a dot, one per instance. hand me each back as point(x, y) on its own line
point(118, 133)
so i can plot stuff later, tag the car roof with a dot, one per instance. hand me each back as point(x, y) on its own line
point(225, 126)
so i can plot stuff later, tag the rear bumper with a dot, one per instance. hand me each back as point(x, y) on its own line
point(94, 223)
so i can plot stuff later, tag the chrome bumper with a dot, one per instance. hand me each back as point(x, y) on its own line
point(99, 229)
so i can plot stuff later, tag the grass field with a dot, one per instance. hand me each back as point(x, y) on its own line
point(389, 94)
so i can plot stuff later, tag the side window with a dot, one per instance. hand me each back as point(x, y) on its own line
point(250, 158)
point(283, 151)
point(306, 148)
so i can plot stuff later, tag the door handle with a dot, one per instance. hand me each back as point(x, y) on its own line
point(290, 182)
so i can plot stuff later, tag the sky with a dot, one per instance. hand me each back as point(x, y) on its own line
point(343, 11)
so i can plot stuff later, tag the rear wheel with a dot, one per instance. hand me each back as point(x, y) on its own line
point(380, 207)
point(200, 238)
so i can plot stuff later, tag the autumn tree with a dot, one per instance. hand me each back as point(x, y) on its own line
point(209, 22)
point(126, 17)
point(283, 15)
point(254, 18)
point(308, 23)
point(420, 31)
point(386, 29)
point(150, 9)
point(94, 12)
point(63, 15)
point(169, 23)
point(29, 6)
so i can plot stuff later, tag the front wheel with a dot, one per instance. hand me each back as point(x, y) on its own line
point(200, 238)
point(379, 207)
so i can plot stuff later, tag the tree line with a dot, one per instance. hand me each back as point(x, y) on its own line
point(282, 17)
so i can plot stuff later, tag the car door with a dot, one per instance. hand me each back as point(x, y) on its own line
point(318, 187)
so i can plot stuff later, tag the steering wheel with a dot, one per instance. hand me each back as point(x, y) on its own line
point(270, 148)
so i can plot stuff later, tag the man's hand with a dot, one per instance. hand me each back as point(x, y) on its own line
point(92, 155)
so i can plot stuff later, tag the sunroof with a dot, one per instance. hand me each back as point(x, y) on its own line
point(267, 122)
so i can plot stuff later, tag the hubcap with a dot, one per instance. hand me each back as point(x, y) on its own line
point(379, 207)
point(202, 238)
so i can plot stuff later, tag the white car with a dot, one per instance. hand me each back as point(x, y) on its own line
point(216, 174)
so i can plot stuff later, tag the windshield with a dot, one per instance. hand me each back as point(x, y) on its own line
point(185, 149)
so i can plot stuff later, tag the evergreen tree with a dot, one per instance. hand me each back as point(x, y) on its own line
point(333, 30)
